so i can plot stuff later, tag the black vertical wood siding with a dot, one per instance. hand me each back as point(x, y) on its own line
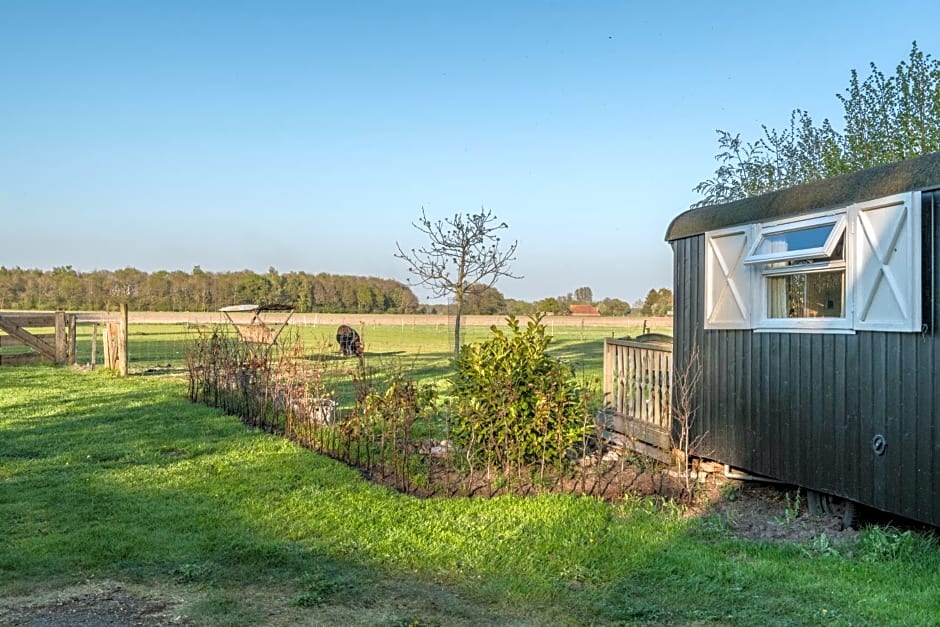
point(804, 407)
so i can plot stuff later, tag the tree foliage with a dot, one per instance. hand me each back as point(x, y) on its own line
point(657, 302)
point(886, 119)
point(66, 288)
point(550, 305)
point(584, 295)
point(462, 253)
point(483, 300)
point(513, 403)
point(614, 307)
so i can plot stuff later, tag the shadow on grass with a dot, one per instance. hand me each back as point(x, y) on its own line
point(104, 478)
point(126, 480)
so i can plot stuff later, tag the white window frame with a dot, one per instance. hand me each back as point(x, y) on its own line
point(837, 220)
point(763, 270)
point(881, 261)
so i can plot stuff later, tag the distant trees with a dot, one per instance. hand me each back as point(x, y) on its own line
point(614, 307)
point(657, 302)
point(886, 119)
point(484, 300)
point(461, 254)
point(65, 288)
point(584, 295)
point(550, 305)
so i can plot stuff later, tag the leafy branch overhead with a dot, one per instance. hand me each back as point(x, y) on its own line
point(886, 119)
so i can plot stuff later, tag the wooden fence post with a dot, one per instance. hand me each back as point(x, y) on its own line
point(122, 342)
point(110, 345)
point(72, 339)
point(61, 347)
point(94, 345)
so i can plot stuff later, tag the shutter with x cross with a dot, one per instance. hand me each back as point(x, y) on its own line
point(887, 271)
point(727, 279)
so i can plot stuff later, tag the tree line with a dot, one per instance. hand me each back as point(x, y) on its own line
point(656, 303)
point(69, 289)
point(102, 290)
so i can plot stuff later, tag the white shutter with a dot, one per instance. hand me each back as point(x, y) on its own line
point(727, 279)
point(887, 264)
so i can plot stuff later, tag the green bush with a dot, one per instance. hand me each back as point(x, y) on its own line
point(513, 404)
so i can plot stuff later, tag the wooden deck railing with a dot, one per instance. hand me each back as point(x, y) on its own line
point(638, 389)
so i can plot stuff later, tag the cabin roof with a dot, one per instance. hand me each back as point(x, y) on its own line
point(916, 174)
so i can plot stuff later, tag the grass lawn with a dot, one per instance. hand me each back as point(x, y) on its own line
point(107, 481)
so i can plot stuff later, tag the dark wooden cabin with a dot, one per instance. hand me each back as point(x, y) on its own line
point(810, 315)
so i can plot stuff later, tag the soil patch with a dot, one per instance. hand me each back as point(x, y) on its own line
point(107, 605)
point(768, 513)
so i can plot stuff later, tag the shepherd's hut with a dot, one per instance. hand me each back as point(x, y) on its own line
point(808, 317)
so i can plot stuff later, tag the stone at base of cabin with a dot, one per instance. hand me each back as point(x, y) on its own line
point(712, 467)
point(695, 475)
point(611, 456)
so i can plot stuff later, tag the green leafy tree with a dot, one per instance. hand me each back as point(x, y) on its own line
point(483, 300)
point(517, 307)
point(549, 305)
point(614, 307)
point(584, 295)
point(886, 119)
point(657, 303)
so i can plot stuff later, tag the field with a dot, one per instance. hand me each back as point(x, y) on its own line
point(124, 504)
point(422, 344)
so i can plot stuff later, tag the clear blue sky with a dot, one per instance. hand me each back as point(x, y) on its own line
point(308, 135)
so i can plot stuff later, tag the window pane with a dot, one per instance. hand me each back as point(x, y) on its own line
point(809, 295)
point(800, 239)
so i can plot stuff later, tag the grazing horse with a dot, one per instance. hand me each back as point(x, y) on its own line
point(349, 341)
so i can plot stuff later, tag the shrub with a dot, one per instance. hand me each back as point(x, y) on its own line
point(513, 404)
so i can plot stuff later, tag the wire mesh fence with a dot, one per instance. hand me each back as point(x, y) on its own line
point(420, 343)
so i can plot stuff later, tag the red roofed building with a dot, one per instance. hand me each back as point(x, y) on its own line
point(583, 310)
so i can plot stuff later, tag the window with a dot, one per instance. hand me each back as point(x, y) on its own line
point(809, 295)
point(799, 240)
point(802, 269)
point(856, 268)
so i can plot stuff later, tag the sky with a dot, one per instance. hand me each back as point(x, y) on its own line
point(308, 136)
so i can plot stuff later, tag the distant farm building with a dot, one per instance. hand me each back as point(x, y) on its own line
point(583, 310)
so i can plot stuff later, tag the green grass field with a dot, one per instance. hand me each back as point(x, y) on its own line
point(107, 481)
point(424, 349)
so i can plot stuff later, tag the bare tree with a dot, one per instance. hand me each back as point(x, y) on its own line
point(687, 442)
point(461, 252)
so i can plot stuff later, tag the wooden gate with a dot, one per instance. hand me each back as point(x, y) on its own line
point(638, 391)
point(57, 347)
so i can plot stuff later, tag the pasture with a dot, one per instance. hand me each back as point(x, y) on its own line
point(421, 345)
